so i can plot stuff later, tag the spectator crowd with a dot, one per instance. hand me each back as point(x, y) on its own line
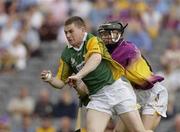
point(26, 24)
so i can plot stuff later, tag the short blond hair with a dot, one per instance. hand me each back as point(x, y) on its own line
point(76, 20)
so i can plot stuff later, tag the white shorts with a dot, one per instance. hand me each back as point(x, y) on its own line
point(117, 98)
point(153, 100)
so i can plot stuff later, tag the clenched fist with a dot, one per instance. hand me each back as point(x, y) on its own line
point(46, 75)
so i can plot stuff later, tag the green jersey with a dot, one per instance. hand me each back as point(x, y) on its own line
point(73, 60)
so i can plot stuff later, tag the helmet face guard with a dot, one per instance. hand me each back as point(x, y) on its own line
point(111, 30)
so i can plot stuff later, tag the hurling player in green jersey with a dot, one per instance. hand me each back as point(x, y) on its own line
point(87, 59)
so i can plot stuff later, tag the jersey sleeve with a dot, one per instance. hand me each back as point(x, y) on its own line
point(138, 70)
point(64, 71)
point(133, 55)
point(94, 45)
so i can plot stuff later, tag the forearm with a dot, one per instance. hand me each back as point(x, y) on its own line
point(82, 89)
point(56, 83)
point(90, 65)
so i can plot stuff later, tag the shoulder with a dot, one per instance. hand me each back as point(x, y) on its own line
point(131, 46)
point(127, 46)
point(92, 41)
point(66, 53)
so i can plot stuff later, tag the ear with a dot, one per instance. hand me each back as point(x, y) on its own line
point(83, 29)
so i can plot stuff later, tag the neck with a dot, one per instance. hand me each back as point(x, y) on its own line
point(77, 46)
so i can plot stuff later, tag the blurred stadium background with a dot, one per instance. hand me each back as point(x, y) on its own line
point(32, 39)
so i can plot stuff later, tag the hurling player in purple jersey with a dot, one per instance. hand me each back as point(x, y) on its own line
point(151, 95)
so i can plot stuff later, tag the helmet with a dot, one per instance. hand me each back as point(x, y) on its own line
point(114, 25)
point(111, 26)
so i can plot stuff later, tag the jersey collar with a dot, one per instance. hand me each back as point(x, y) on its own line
point(84, 39)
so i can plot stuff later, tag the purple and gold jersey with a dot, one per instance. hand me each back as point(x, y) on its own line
point(137, 69)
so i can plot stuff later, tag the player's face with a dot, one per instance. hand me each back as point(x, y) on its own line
point(106, 37)
point(74, 34)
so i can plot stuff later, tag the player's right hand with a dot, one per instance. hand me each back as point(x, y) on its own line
point(46, 75)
